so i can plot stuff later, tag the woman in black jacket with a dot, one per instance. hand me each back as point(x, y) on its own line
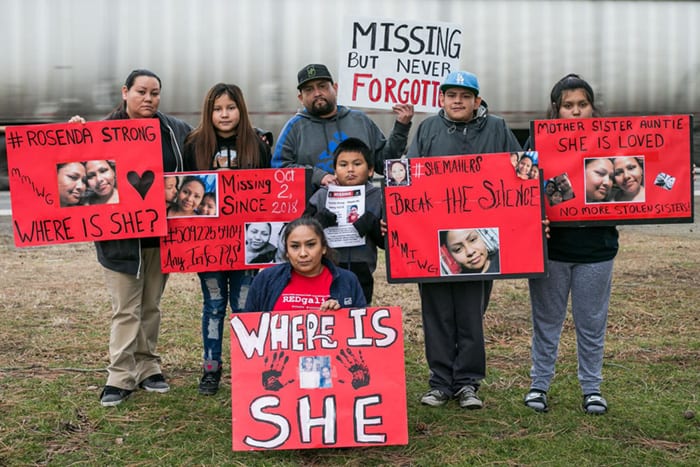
point(132, 266)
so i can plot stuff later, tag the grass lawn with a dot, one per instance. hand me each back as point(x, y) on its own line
point(54, 313)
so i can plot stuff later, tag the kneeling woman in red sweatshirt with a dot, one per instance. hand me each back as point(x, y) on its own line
point(308, 280)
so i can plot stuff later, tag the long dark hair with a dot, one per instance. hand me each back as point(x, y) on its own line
point(119, 112)
point(569, 83)
point(203, 138)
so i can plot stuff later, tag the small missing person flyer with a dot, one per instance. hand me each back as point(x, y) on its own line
point(348, 204)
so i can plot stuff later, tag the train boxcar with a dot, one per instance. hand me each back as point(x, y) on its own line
point(62, 57)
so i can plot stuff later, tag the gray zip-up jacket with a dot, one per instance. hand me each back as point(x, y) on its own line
point(485, 133)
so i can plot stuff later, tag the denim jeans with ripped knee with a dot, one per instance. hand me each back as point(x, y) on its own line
point(220, 289)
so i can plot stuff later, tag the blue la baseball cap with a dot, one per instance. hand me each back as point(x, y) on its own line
point(461, 79)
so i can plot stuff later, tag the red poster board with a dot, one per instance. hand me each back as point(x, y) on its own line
point(312, 379)
point(58, 173)
point(617, 170)
point(451, 204)
point(251, 208)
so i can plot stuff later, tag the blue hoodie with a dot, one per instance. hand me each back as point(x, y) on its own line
point(309, 141)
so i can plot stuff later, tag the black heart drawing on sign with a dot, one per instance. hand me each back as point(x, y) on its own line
point(141, 183)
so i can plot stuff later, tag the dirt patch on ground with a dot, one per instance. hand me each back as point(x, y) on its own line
point(54, 300)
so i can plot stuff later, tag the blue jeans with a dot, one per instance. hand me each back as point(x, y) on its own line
point(218, 290)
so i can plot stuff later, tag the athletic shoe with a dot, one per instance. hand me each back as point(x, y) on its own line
point(155, 383)
point(112, 396)
point(537, 400)
point(594, 404)
point(467, 398)
point(434, 398)
point(209, 384)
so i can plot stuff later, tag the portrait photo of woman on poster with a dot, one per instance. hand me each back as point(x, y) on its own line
point(469, 251)
point(629, 179)
point(193, 191)
point(261, 242)
point(101, 176)
point(598, 175)
point(397, 172)
point(72, 183)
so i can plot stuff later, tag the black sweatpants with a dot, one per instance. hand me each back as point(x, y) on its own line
point(454, 333)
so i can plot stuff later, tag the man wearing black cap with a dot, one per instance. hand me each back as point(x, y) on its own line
point(309, 138)
point(453, 311)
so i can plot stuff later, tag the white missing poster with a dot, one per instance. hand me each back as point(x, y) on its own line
point(348, 204)
point(384, 62)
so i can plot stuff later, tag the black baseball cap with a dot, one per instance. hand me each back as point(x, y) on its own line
point(311, 72)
